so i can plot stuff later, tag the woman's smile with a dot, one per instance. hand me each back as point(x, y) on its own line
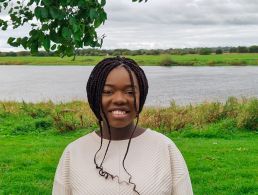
point(119, 114)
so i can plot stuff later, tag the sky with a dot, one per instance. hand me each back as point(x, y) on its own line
point(171, 24)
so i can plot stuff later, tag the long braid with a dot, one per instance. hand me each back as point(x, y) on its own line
point(137, 115)
point(95, 87)
point(106, 70)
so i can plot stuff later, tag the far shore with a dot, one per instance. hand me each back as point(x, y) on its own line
point(235, 59)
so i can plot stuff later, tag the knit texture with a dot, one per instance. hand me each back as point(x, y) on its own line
point(155, 163)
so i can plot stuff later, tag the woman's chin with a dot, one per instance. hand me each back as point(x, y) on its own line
point(120, 125)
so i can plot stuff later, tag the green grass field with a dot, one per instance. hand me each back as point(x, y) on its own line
point(218, 140)
point(190, 59)
point(216, 165)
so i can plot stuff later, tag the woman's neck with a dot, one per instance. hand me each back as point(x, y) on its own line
point(120, 133)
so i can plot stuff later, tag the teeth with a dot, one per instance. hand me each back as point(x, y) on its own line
point(118, 112)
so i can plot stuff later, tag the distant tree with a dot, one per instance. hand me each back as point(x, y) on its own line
point(219, 51)
point(192, 51)
point(57, 25)
point(233, 50)
point(253, 49)
point(205, 51)
point(11, 53)
point(242, 49)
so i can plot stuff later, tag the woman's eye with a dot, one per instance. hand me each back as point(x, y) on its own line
point(107, 92)
point(130, 92)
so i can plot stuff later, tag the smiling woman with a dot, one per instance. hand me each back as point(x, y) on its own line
point(100, 162)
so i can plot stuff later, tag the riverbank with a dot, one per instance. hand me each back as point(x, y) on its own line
point(152, 60)
point(231, 116)
point(218, 141)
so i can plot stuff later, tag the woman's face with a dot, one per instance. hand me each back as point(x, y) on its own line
point(118, 99)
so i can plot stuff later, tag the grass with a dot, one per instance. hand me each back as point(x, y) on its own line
point(28, 162)
point(23, 118)
point(152, 60)
point(218, 141)
point(222, 166)
point(216, 165)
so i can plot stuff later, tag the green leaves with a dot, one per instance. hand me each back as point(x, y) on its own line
point(46, 43)
point(103, 2)
point(44, 12)
point(3, 24)
point(24, 42)
point(14, 42)
point(44, 27)
point(10, 40)
point(66, 33)
point(62, 26)
point(41, 12)
point(46, 2)
point(93, 14)
point(56, 13)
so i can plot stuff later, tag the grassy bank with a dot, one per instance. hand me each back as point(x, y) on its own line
point(233, 115)
point(156, 60)
point(219, 142)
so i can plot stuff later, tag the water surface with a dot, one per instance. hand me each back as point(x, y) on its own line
point(183, 84)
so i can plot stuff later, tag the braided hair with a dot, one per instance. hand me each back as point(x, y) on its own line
point(95, 86)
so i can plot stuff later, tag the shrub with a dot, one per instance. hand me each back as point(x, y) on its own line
point(231, 107)
point(67, 122)
point(205, 51)
point(219, 51)
point(34, 110)
point(207, 113)
point(21, 118)
point(24, 128)
point(43, 123)
point(248, 116)
point(67, 119)
point(28, 125)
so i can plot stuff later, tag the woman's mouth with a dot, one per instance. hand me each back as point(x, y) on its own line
point(119, 114)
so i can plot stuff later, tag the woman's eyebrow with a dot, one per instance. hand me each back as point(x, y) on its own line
point(126, 86)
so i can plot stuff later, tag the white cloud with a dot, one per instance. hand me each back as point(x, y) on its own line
point(174, 23)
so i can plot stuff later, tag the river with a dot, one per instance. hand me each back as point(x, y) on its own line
point(183, 84)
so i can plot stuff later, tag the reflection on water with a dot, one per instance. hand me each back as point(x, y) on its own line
point(182, 84)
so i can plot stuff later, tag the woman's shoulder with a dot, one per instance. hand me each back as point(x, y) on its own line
point(159, 138)
point(82, 142)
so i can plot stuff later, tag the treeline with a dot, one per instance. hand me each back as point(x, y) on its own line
point(117, 52)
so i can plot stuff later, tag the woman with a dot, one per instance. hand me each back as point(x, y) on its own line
point(120, 158)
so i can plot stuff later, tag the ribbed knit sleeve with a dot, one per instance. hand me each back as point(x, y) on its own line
point(181, 183)
point(61, 184)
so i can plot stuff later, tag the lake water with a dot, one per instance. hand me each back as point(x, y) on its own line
point(183, 84)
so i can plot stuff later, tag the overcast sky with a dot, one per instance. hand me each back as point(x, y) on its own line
point(173, 24)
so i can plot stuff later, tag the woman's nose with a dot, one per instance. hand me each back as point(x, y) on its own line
point(119, 98)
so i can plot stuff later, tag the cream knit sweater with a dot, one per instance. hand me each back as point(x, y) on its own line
point(155, 163)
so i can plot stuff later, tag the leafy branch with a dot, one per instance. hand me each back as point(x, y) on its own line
point(60, 26)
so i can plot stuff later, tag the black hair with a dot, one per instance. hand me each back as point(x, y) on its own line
point(95, 86)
